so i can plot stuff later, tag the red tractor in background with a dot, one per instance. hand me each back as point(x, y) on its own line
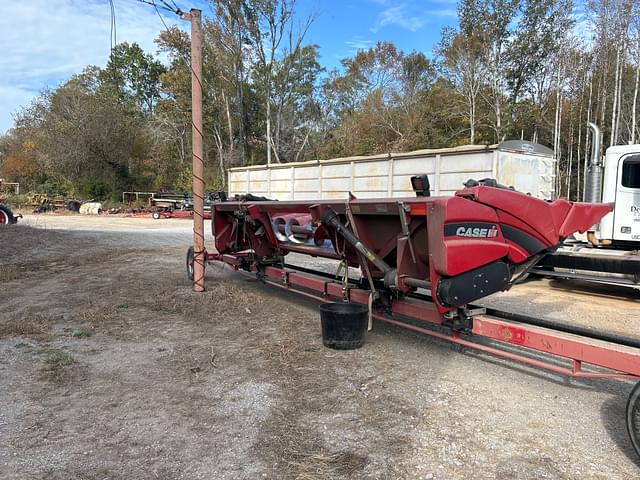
point(6, 215)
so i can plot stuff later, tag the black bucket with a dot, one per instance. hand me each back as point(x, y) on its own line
point(343, 325)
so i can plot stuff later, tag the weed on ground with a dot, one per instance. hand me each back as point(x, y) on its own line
point(57, 364)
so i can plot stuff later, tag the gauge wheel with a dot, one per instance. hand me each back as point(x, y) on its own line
point(6, 216)
point(156, 215)
point(190, 260)
point(633, 417)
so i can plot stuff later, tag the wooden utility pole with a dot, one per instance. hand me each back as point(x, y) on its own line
point(194, 16)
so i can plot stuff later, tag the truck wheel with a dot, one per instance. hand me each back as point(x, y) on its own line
point(190, 260)
point(6, 216)
point(633, 417)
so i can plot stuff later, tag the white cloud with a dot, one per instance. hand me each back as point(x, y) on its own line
point(408, 16)
point(399, 15)
point(45, 41)
point(357, 44)
point(444, 12)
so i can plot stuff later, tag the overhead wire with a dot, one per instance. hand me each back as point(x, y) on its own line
point(113, 38)
point(178, 12)
point(175, 5)
point(164, 6)
point(177, 9)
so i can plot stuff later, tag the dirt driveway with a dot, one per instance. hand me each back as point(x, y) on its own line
point(110, 368)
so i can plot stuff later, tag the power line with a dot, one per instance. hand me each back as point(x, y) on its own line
point(178, 12)
point(176, 9)
point(164, 5)
point(113, 39)
point(175, 5)
point(159, 15)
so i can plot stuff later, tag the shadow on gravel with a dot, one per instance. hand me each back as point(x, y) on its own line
point(613, 414)
point(592, 289)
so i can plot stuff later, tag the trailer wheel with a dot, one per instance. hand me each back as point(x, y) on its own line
point(6, 216)
point(633, 417)
point(73, 205)
point(156, 215)
point(190, 260)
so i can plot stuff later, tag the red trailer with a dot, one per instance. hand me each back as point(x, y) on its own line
point(424, 261)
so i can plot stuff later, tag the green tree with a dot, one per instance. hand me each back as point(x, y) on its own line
point(538, 38)
point(132, 77)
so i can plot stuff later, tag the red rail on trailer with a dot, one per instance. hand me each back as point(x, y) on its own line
point(621, 361)
point(178, 214)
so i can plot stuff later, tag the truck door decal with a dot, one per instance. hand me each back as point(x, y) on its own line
point(626, 215)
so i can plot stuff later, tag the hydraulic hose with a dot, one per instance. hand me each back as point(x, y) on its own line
point(330, 219)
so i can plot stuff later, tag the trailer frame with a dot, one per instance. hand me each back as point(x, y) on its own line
point(557, 352)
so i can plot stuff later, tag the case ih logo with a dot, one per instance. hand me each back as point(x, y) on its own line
point(477, 232)
point(471, 230)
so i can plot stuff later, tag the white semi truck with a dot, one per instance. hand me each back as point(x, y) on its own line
point(609, 252)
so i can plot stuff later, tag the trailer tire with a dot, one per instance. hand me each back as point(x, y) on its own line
point(155, 215)
point(73, 205)
point(633, 417)
point(6, 216)
point(190, 261)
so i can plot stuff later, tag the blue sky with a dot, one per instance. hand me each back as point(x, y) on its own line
point(343, 27)
point(44, 42)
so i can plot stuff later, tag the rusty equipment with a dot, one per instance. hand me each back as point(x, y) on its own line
point(424, 261)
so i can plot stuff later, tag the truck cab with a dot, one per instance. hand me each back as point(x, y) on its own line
point(621, 184)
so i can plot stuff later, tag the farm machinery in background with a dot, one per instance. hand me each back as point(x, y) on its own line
point(423, 262)
point(177, 205)
point(7, 216)
point(609, 251)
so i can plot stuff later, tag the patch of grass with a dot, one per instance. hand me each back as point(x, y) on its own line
point(57, 362)
point(320, 465)
point(94, 315)
point(302, 454)
point(219, 299)
point(11, 272)
point(82, 333)
point(25, 324)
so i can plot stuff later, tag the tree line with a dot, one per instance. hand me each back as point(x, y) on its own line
point(510, 69)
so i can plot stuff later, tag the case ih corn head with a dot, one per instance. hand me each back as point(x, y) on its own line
point(424, 260)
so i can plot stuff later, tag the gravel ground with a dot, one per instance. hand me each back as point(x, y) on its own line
point(110, 368)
